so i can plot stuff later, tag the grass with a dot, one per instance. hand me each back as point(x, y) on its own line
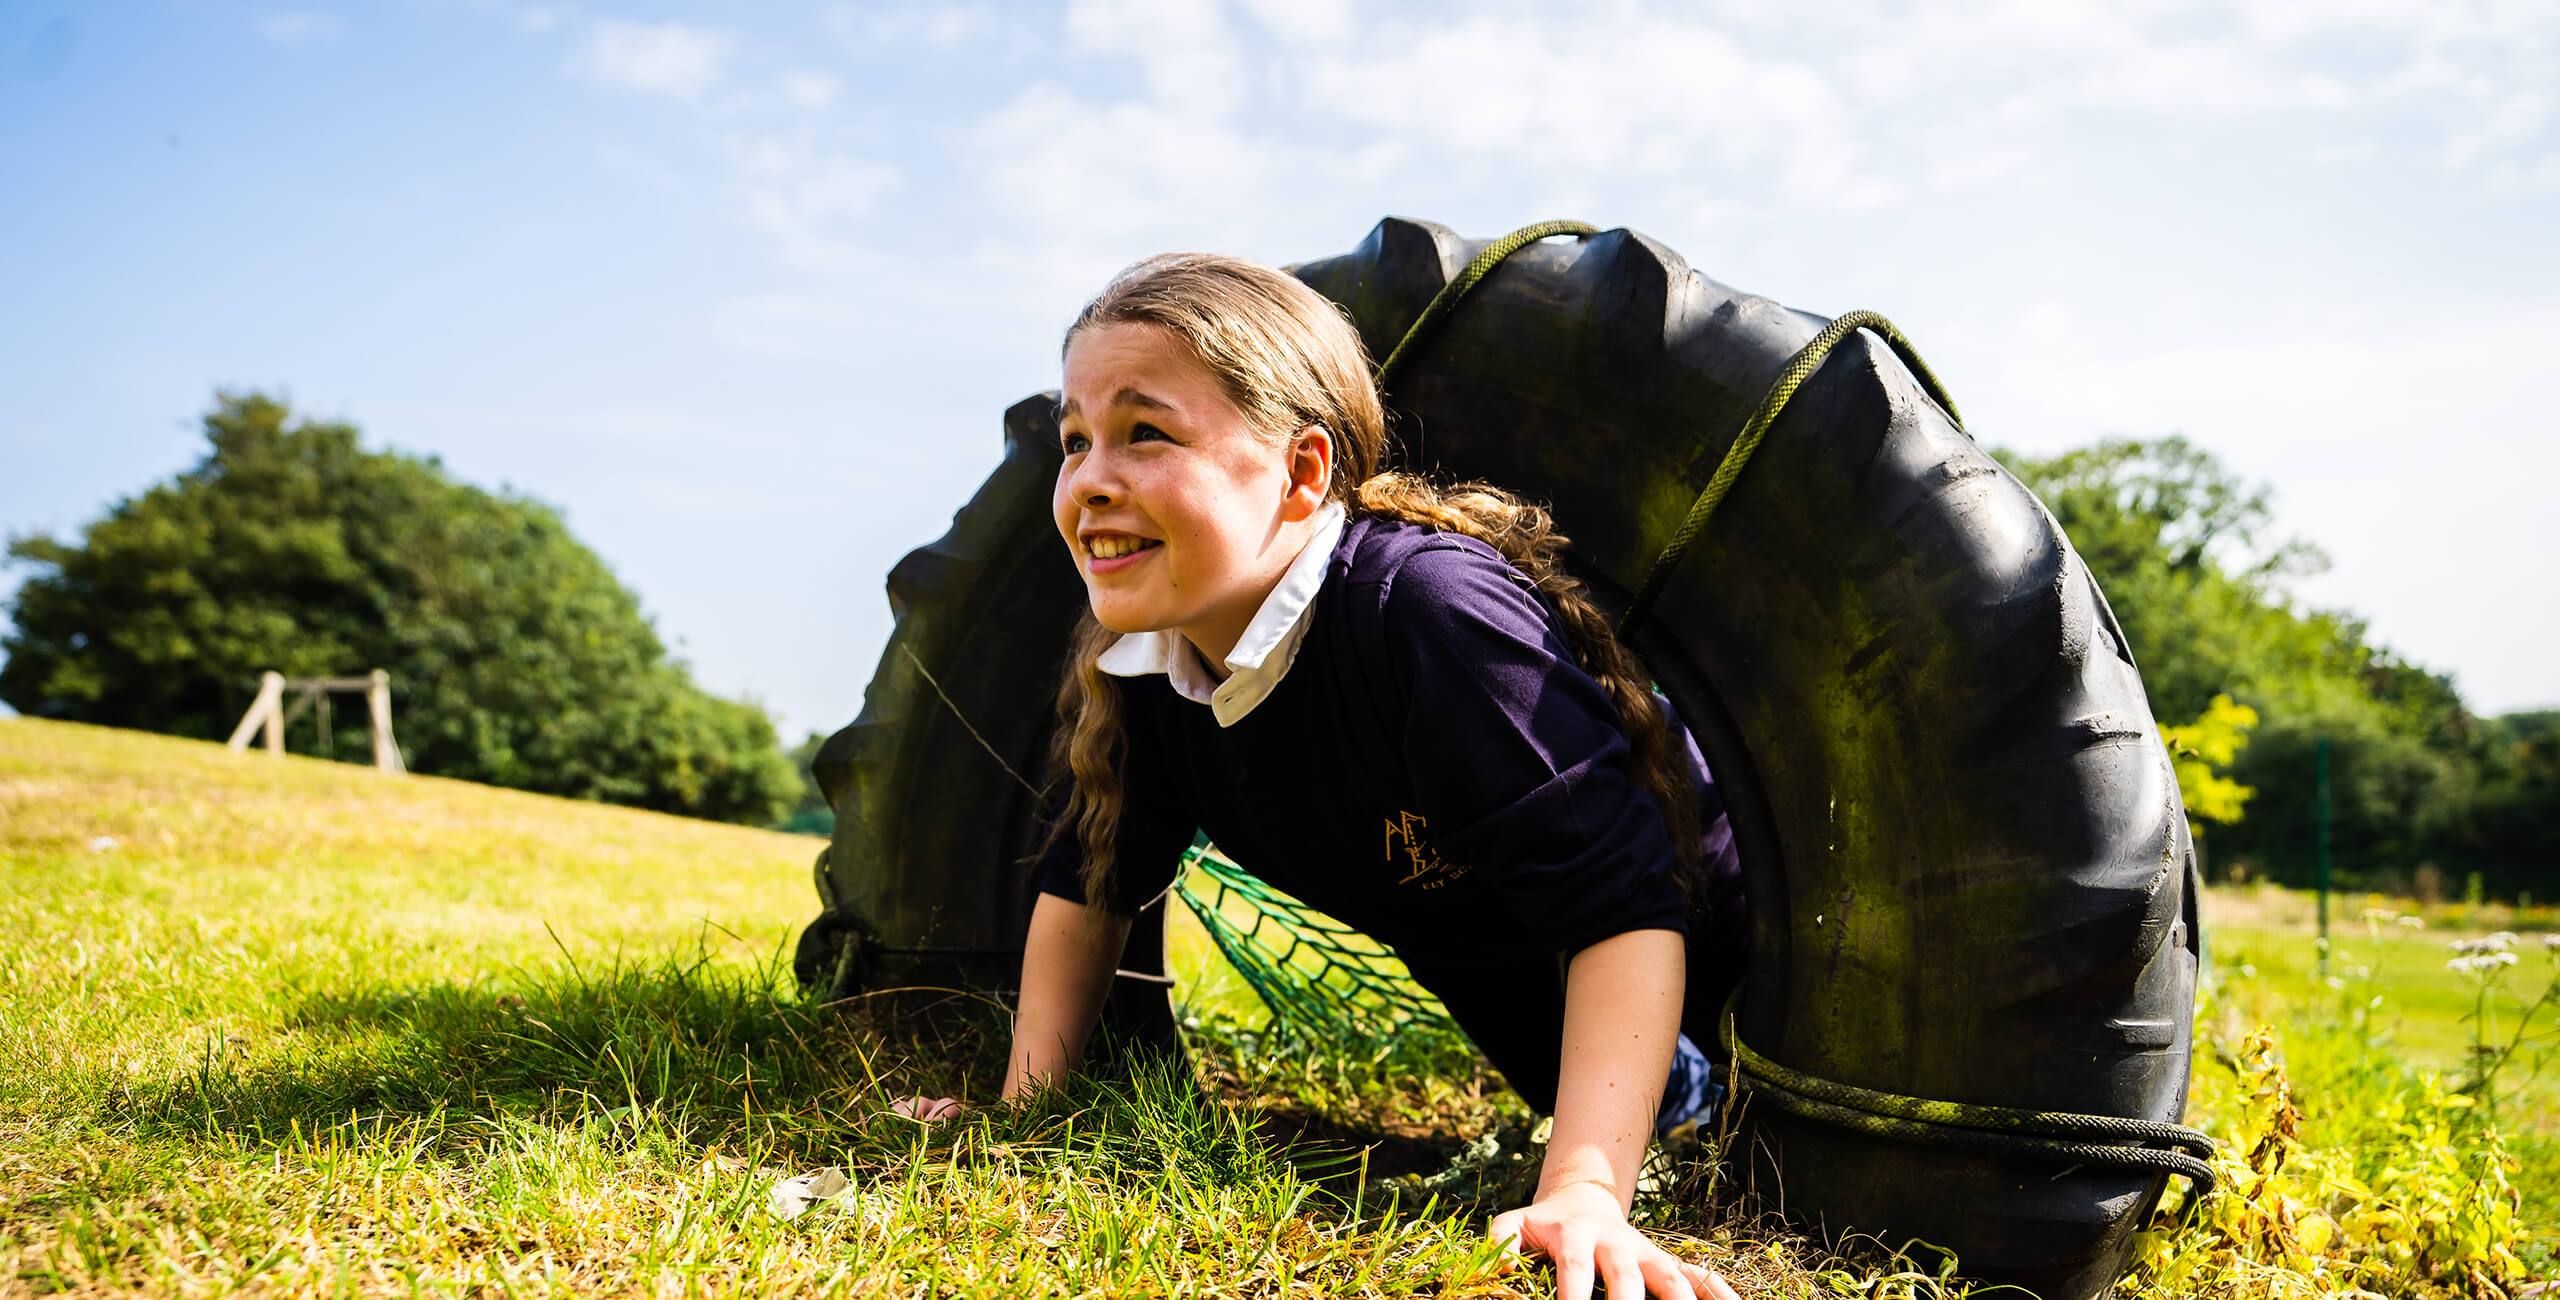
point(293, 1028)
point(2269, 932)
point(2389, 974)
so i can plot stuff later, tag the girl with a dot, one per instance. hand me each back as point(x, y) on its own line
point(1390, 700)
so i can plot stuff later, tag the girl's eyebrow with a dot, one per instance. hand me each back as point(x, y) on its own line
point(1125, 397)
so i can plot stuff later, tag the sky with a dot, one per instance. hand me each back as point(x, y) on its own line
point(745, 289)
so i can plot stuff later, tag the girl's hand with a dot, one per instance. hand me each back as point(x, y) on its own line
point(927, 1109)
point(1581, 1230)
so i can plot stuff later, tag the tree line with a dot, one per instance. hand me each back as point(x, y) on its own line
point(2420, 786)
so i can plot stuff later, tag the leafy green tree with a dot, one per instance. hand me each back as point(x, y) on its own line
point(2178, 543)
point(2512, 830)
point(516, 657)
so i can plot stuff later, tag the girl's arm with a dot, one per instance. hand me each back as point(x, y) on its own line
point(1068, 960)
point(1621, 1017)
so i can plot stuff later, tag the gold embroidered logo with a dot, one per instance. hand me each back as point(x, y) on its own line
point(1410, 852)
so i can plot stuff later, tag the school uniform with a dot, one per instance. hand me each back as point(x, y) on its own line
point(1404, 741)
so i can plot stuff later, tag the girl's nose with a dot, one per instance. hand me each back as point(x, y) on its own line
point(1094, 483)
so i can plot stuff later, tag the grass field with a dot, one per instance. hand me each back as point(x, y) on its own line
point(2391, 958)
point(2269, 933)
point(294, 1028)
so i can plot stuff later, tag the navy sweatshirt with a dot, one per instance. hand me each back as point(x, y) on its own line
point(1437, 771)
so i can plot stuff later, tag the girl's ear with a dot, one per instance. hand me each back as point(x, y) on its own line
point(1310, 472)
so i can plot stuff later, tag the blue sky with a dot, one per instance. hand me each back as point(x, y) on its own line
point(744, 289)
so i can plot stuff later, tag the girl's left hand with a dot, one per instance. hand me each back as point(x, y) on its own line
point(1581, 1230)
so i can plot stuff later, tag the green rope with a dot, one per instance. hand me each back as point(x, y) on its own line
point(1799, 368)
point(1447, 299)
point(1991, 1130)
point(1316, 974)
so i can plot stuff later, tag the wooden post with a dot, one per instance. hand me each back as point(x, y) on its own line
point(377, 702)
point(268, 708)
point(269, 712)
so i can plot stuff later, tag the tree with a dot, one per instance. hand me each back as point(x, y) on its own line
point(2512, 830)
point(516, 657)
point(2176, 540)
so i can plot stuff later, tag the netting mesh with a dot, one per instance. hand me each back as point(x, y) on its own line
point(1316, 974)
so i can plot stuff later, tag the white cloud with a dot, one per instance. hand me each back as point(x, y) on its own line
point(1310, 21)
point(301, 28)
point(938, 26)
point(810, 201)
point(1649, 95)
point(1189, 54)
point(1081, 188)
point(2512, 122)
point(664, 59)
point(811, 89)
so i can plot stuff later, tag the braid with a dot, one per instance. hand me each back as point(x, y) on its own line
point(1526, 536)
point(1087, 744)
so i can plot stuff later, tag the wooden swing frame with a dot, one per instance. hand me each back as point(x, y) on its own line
point(270, 711)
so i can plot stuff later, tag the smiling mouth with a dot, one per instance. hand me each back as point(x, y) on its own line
point(1112, 548)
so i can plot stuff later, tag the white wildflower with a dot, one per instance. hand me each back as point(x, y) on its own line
point(2480, 964)
point(103, 844)
point(2414, 922)
point(2378, 915)
point(2499, 942)
point(2551, 942)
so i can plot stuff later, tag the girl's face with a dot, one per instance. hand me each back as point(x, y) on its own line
point(1180, 515)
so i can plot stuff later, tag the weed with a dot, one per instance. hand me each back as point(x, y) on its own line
point(2488, 962)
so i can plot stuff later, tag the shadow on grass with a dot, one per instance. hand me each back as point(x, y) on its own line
point(1328, 1149)
point(708, 1053)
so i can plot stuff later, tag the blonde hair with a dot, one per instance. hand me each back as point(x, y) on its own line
point(1288, 358)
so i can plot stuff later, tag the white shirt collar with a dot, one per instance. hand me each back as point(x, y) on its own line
point(1262, 655)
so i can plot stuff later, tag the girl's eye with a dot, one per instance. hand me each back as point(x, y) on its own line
point(1075, 442)
point(1141, 433)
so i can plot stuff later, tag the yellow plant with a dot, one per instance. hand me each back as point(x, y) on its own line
point(2422, 1210)
point(2212, 741)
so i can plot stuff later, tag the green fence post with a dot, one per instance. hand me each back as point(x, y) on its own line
point(2320, 763)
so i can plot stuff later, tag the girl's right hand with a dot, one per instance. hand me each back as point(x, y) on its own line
point(927, 1109)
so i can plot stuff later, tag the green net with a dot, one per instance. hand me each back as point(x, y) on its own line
point(1317, 975)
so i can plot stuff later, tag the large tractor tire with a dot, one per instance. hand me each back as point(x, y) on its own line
point(1968, 867)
